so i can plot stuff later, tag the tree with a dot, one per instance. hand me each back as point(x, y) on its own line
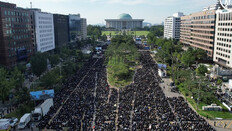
point(54, 59)
point(219, 82)
point(50, 78)
point(104, 38)
point(38, 63)
point(201, 70)
point(69, 68)
point(22, 95)
point(6, 84)
point(157, 30)
point(188, 58)
point(94, 32)
point(200, 54)
point(17, 78)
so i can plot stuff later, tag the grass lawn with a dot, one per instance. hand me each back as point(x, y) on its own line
point(137, 33)
point(119, 83)
point(210, 114)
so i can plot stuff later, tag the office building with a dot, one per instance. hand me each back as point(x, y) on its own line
point(83, 28)
point(61, 28)
point(197, 30)
point(77, 27)
point(44, 30)
point(16, 34)
point(223, 38)
point(124, 21)
point(172, 26)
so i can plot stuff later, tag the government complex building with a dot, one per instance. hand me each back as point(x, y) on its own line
point(124, 21)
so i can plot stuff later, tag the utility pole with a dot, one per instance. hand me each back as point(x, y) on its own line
point(31, 4)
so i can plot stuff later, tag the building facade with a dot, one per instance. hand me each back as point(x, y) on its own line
point(124, 21)
point(77, 28)
point(44, 30)
point(172, 26)
point(16, 34)
point(198, 29)
point(61, 28)
point(83, 28)
point(223, 39)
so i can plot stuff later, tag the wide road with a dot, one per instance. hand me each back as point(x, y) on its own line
point(87, 102)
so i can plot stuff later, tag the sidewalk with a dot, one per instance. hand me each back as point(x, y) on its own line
point(167, 90)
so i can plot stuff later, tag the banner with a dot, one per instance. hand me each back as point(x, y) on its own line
point(42, 95)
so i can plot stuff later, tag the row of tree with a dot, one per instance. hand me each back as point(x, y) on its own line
point(122, 56)
point(95, 33)
point(190, 79)
point(11, 85)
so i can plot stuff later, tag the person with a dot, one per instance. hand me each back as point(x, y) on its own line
point(141, 105)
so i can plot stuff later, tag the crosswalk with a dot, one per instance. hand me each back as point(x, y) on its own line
point(227, 124)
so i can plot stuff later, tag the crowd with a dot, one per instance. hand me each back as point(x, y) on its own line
point(188, 118)
point(139, 106)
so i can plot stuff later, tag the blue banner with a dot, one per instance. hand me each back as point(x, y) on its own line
point(42, 95)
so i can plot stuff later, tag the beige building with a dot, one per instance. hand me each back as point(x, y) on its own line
point(223, 39)
point(197, 30)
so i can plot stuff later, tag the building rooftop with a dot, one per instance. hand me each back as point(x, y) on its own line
point(124, 16)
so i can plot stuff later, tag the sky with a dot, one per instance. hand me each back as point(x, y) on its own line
point(96, 11)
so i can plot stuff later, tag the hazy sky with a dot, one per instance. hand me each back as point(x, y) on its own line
point(153, 11)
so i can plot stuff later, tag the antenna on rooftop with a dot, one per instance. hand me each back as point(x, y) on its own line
point(31, 4)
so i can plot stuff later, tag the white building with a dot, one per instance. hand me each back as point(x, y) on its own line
point(44, 31)
point(223, 38)
point(172, 26)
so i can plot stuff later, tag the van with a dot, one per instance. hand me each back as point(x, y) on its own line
point(24, 120)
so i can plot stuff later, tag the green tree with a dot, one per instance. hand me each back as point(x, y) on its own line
point(188, 58)
point(201, 70)
point(200, 54)
point(6, 85)
point(50, 79)
point(17, 78)
point(54, 59)
point(104, 38)
point(38, 63)
point(219, 82)
point(22, 95)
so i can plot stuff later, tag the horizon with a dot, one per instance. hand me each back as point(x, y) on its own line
point(96, 11)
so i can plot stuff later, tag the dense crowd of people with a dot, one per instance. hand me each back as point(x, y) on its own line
point(188, 118)
point(93, 104)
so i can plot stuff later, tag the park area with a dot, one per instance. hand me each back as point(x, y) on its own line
point(114, 33)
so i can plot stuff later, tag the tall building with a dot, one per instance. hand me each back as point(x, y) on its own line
point(61, 27)
point(16, 34)
point(83, 28)
point(124, 21)
point(223, 38)
point(172, 26)
point(44, 30)
point(77, 28)
point(197, 30)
